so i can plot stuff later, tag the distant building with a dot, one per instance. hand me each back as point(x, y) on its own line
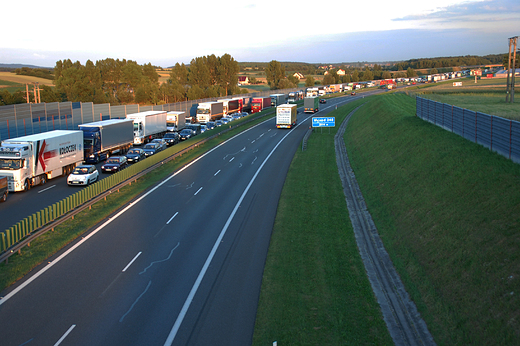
point(341, 72)
point(298, 75)
point(243, 80)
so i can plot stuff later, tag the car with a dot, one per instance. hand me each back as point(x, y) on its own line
point(83, 175)
point(219, 123)
point(171, 138)
point(203, 128)
point(353, 93)
point(151, 148)
point(114, 164)
point(135, 155)
point(161, 142)
point(224, 121)
point(236, 116)
point(210, 125)
point(186, 134)
point(323, 101)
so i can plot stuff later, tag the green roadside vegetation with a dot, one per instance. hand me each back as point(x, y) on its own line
point(447, 211)
point(315, 290)
point(47, 245)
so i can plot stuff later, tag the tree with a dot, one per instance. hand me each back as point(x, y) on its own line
point(386, 75)
point(328, 79)
point(227, 73)
point(410, 72)
point(274, 73)
point(367, 74)
point(355, 76)
point(294, 80)
point(309, 82)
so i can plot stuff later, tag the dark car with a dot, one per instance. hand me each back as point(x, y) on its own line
point(186, 134)
point(114, 164)
point(210, 125)
point(151, 149)
point(353, 93)
point(135, 155)
point(161, 142)
point(171, 138)
point(218, 123)
point(323, 101)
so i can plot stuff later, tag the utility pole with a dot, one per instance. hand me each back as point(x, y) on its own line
point(510, 89)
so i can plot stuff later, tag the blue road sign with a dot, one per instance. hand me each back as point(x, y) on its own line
point(323, 122)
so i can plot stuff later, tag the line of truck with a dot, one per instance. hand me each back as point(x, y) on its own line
point(31, 160)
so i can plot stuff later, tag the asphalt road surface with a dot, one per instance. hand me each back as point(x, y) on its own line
point(180, 265)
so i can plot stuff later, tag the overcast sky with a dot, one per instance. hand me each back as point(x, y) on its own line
point(166, 32)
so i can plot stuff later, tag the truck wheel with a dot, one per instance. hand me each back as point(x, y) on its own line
point(4, 197)
point(43, 179)
point(27, 185)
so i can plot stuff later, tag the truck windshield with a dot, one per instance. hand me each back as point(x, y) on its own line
point(202, 110)
point(88, 142)
point(10, 164)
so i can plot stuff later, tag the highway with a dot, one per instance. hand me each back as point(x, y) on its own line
point(181, 265)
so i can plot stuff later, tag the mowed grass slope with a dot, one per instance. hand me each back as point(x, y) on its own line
point(448, 211)
point(315, 290)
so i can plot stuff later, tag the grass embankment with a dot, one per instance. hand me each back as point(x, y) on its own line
point(52, 242)
point(486, 96)
point(315, 290)
point(447, 210)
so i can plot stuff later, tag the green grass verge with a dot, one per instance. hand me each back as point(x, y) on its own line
point(315, 290)
point(448, 212)
point(47, 245)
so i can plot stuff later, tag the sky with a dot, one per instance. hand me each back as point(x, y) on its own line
point(165, 32)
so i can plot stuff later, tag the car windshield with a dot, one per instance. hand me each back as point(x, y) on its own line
point(113, 160)
point(149, 146)
point(186, 132)
point(169, 135)
point(80, 170)
point(134, 151)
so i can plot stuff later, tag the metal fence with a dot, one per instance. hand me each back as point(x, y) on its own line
point(497, 134)
point(31, 118)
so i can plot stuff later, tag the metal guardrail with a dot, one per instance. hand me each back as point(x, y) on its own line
point(24, 232)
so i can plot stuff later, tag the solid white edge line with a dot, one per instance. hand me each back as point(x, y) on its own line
point(43, 270)
point(187, 303)
point(65, 335)
point(197, 192)
point(132, 261)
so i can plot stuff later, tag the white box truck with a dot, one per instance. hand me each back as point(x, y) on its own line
point(286, 116)
point(175, 120)
point(209, 111)
point(148, 125)
point(31, 160)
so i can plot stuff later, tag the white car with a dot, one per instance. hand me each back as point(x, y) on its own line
point(83, 175)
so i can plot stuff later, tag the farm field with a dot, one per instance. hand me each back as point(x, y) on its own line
point(486, 96)
point(7, 78)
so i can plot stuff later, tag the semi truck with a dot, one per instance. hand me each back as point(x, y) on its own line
point(32, 160)
point(148, 125)
point(175, 120)
point(209, 111)
point(230, 106)
point(103, 138)
point(244, 103)
point(260, 103)
point(311, 104)
point(286, 116)
point(3, 189)
point(278, 99)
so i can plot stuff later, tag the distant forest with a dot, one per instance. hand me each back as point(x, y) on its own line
point(124, 82)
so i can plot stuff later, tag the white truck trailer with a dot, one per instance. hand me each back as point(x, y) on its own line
point(175, 120)
point(209, 111)
point(31, 160)
point(148, 125)
point(286, 116)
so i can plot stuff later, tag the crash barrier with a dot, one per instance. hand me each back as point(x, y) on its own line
point(495, 133)
point(306, 138)
point(24, 228)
